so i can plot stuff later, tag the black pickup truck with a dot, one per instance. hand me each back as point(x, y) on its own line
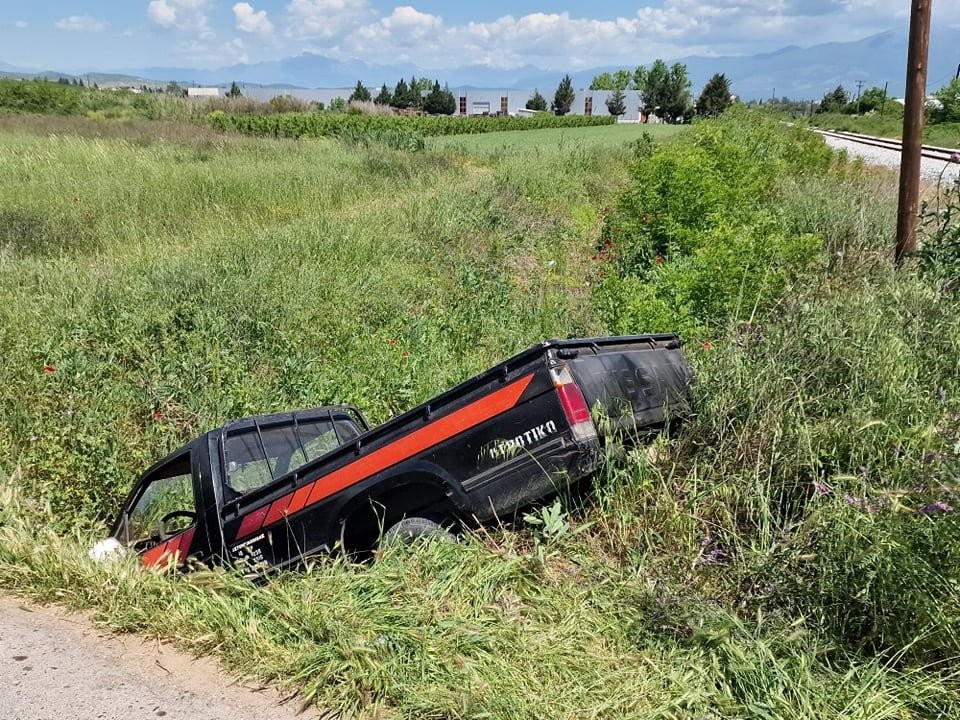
point(266, 492)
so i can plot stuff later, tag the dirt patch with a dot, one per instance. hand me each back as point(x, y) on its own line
point(58, 666)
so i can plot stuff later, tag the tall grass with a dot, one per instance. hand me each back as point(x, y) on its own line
point(196, 282)
point(792, 553)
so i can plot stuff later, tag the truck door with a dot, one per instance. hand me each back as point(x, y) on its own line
point(161, 517)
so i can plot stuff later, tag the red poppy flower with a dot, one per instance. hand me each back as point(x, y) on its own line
point(707, 345)
point(49, 368)
point(158, 415)
point(659, 260)
point(393, 341)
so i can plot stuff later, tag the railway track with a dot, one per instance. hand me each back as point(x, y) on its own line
point(928, 151)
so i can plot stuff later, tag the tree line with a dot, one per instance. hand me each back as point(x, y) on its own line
point(664, 92)
point(942, 107)
point(419, 94)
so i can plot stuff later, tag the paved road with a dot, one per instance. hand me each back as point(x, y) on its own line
point(55, 667)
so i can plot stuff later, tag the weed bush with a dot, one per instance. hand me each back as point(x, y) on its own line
point(694, 242)
point(939, 233)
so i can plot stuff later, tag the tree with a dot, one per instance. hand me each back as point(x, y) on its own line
point(639, 79)
point(666, 91)
point(949, 98)
point(872, 99)
point(360, 93)
point(384, 98)
point(603, 81)
point(617, 103)
point(439, 102)
point(401, 95)
point(537, 102)
point(421, 85)
point(834, 100)
point(564, 97)
point(234, 91)
point(622, 79)
point(715, 96)
point(174, 88)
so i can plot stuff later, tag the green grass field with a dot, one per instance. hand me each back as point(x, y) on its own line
point(612, 136)
point(794, 553)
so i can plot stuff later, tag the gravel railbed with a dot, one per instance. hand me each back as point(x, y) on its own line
point(930, 170)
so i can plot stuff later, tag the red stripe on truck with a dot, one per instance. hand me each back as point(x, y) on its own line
point(434, 433)
point(176, 547)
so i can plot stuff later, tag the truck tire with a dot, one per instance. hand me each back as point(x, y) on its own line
point(411, 529)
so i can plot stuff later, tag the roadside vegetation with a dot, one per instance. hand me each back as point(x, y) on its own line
point(874, 113)
point(794, 553)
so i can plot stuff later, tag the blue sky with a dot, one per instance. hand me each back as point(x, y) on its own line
point(123, 34)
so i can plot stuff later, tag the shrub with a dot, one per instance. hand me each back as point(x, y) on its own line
point(694, 231)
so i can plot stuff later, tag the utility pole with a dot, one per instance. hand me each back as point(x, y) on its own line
point(883, 103)
point(859, 85)
point(917, 53)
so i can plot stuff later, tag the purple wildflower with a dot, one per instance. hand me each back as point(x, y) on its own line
point(821, 488)
point(937, 508)
point(717, 556)
point(866, 504)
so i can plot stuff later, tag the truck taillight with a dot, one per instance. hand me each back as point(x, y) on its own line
point(574, 405)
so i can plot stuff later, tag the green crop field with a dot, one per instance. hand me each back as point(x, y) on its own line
point(607, 136)
point(794, 552)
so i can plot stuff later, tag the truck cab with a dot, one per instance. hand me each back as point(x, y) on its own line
point(190, 489)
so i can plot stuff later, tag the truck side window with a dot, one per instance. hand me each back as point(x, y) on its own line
point(167, 491)
point(247, 467)
point(318, 438)
point(346, 429)
point(251, 465)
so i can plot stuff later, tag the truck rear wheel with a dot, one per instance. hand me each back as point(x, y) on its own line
point(411, 529)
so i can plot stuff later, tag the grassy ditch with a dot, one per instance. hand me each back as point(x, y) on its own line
point(793, 554)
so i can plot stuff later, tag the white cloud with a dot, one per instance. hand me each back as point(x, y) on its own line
point(161, 13)
point(20, 24)
point(251, 21)
point(79, 23)
point(184, 15)
point(559, 40)
point(326, 19)
point(206, 54)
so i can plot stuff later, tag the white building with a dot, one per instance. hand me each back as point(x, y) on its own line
point(203, 92)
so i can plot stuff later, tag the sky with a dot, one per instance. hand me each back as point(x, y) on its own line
point(117, 35)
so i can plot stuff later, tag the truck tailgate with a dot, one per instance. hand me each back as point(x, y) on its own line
point(631, 383)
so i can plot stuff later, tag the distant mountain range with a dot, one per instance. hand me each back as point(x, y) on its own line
point(796, 72)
